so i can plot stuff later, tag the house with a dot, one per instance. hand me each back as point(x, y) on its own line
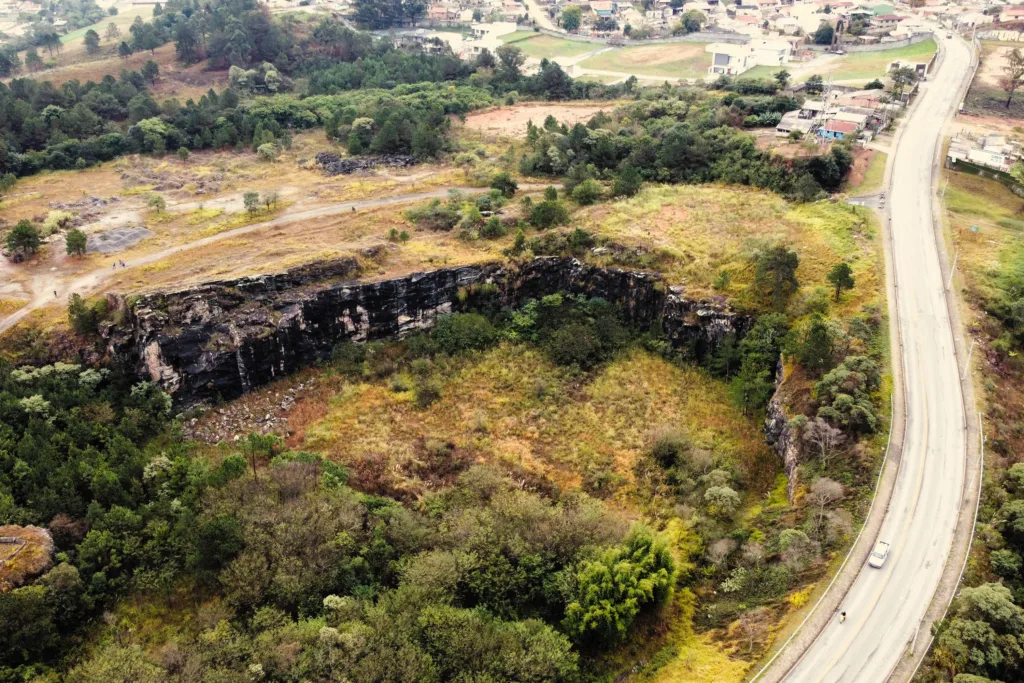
point(792, 121)
point(604, 8)
point(838, 130)
point(883, 24)
point(811, 109)
point(1012, 14)
point(729, 59)
point(442, 13)
point(919, 68)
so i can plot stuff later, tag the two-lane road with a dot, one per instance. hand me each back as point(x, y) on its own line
point(885, 606)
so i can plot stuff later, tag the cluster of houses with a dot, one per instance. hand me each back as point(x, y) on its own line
point(990, 150)
point(837, 115)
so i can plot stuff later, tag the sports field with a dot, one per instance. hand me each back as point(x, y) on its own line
point(670, 60)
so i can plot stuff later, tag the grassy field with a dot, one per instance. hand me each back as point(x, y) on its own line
point(702, 231)
point(868, 65)
point(671, 60)
point(761, 72)
point(985, 97)
point(540, 46)
point(512, 407)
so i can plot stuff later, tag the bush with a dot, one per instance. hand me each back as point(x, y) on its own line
point(627, 182)
point(435, 216)
point(548, 213)
point(587, 192)
point(463, 332)
point(493, 229)
point(504, 183)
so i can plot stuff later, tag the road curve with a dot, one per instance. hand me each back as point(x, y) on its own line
point(885, 606)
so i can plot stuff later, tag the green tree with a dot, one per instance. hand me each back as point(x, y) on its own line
point(816, 346)
point(75, 241)
point(627, 182)
point(33, 62)
point(92, 42)
point(571, 18)
point(612, 589)
point(251, 201)
point(184, 154)
point(841, 277)
point(824, 34)
point(157, 203)
point(112, 31)
point(814, 85)
point(775, 274)
point(24, 238)
point(150, 70)
point(510, 62)
point(504, 183)
point(782, 78)
point(124, 50)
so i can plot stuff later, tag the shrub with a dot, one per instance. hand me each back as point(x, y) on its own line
point(504, 183)
point(587, 192)
point(435, 216)
point(463, 332)
point(550, 193)
point(23, 238)
point(493, 229)
point(627, 182)
point(548, 213)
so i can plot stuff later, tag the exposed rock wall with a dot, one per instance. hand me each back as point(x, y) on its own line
point(780, 435)
point(222, 339)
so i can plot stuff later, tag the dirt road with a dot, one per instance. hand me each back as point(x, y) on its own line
point(50, 287)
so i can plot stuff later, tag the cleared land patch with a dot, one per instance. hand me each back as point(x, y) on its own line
point(669, 60)
point(511, 121)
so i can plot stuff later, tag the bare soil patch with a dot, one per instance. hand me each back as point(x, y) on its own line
point(511, 121)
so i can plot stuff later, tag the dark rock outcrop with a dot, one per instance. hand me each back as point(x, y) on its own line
point(221, 339)
point(780, 434)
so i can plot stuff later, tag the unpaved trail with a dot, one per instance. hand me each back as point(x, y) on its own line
point(50, 287)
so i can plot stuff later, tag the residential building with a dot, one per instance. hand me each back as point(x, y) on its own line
point(838, 130)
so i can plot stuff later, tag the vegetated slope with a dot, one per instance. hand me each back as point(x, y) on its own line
point(978, 641)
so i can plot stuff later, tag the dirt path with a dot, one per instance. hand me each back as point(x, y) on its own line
point(50, 287)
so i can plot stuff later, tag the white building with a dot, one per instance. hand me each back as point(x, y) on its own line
point(731, 60)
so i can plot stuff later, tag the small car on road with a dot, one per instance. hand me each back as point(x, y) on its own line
point(879, 554)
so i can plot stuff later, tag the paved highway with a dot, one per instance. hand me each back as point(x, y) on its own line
point(885, 606)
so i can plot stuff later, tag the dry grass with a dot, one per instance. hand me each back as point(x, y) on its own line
point(703, 230)
point(512, 407)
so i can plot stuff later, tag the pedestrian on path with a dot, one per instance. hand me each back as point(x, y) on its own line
point(842, 617)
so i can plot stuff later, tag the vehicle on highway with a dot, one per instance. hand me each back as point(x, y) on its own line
point(879, 554)
point(949, 35)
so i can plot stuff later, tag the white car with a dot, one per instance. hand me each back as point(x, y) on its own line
point(879, 554)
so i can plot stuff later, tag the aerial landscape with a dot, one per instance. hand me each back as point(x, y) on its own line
point(491, 341)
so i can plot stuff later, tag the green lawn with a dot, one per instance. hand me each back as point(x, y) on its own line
point(670, 60)
point(761, 72)
point(540, 46)
point(868, 65)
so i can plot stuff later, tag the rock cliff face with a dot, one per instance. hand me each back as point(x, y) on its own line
point(779, 434)
point(222, 339)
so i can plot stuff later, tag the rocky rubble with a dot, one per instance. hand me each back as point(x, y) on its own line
point(262, 412)
point(333, 164)
point(222, 339)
